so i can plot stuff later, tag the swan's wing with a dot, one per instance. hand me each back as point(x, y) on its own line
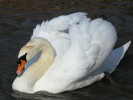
point(104, 35)
point(95, 39)
point(52, 29)
point(91, 43)
point(114, 58)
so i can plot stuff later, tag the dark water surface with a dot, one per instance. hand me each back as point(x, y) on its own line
point(19, 17)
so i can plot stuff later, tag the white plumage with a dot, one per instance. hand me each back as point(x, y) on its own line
point(83, 52)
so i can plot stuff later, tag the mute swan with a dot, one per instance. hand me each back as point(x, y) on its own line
point(67, 53)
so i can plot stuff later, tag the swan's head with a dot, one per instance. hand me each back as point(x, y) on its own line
point(28, 51)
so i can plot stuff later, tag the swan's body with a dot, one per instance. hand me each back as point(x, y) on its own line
point(78, 53)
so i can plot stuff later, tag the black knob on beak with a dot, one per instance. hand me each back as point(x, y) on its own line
point(18, 61)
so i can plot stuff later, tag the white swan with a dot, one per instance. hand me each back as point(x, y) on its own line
point(66, 53)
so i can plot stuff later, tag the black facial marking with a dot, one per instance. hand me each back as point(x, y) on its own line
point(18, 61)
point(21, 58)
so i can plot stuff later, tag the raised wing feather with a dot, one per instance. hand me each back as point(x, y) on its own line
point(51, 29)
point(104, 35)
point(95, 39)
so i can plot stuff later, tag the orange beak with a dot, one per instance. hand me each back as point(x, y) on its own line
point(21, 67)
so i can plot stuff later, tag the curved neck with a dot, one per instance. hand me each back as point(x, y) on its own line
point(39, 68)
point(36, 70)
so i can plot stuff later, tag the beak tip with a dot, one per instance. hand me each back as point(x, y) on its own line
point(20, 67)
point(18, 73)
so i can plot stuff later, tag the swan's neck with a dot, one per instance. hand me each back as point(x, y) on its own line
point(39, 68)
point(34, 72)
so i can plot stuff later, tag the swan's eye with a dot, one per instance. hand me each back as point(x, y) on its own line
point(18, 61)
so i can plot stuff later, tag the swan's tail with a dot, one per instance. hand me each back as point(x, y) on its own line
point(49, 28)
point(114, 58)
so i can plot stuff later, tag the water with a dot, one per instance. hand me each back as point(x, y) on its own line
point(19, 17)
